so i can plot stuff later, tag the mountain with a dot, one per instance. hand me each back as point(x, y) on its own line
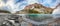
point(35, 9)
point(4, 11)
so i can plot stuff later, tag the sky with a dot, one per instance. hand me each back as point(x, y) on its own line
point(16, 5)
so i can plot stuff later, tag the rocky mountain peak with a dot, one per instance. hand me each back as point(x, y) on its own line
point(37, 8)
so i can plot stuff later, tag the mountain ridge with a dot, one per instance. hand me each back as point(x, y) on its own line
point(36, 9)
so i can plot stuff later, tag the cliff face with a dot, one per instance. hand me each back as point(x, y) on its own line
point(35, 9)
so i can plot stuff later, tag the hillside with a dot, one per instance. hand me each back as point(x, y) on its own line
point(4, 11)
point(35, 9)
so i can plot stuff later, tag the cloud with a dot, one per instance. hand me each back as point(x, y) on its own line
point(5, 1)
point(16, 6)
point(32, 1)
point(9, 5)
point(49, 3)
point(53, 5)
point(16, 1)
point(2, 3)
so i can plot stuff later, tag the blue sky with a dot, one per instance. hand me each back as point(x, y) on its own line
point(17, 5)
